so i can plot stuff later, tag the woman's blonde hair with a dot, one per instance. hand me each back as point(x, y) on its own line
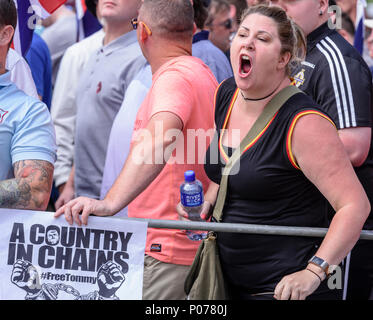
point(291, 36)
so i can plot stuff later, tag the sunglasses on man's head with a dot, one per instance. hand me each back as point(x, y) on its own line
point(227, 24)
point(135, 23)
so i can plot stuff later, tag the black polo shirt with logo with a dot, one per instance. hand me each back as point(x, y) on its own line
point(338, 79)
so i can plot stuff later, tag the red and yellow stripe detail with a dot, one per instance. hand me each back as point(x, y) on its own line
point(216, 94)
point(291, 130)
point(248, 146)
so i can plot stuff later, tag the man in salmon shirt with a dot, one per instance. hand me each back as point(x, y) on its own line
point(180, 102)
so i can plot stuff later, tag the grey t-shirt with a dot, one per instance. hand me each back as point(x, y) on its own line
point(100, 94)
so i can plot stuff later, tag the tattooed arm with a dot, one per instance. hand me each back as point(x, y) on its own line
point(31, 187)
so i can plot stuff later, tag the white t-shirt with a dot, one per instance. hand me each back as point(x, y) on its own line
point(121, 131)
point(20, 73)
point(63, 108)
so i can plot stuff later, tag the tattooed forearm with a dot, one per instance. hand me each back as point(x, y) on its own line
point(14, 196)
point(30, 189)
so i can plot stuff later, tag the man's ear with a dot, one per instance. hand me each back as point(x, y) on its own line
point(143, 32)
point(232, 10)
point(6, 35)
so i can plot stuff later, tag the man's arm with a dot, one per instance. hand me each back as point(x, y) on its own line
point(347, 100)
point(30, 189)
point(138, 171)
point(66, 190)
point(357, 143)
point(63, 112)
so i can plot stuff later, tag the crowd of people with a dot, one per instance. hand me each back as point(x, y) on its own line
point(106, 130)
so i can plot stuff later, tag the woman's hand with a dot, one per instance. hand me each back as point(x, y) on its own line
point(205, 212)
point(298, 285)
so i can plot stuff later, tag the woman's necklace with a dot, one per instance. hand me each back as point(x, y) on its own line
point(249, 99)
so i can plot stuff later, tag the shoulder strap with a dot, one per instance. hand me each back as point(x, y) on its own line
point(268, 113)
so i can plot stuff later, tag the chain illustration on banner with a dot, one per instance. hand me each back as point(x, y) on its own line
point(26, 277)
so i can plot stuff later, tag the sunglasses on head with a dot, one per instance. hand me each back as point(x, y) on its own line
point(135, 23)
point(227, 24)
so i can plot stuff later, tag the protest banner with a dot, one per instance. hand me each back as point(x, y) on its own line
point(44, 258)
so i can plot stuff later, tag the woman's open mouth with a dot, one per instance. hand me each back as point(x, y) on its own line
point(245, 65)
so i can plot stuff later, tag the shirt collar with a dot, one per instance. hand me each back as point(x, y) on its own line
point(202, 35)
point(5, 79)
point(317, 35)
point(121, 42)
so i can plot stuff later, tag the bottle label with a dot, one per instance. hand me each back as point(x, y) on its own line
point(192, 200)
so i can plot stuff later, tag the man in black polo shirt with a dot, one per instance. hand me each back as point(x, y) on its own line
point(339, 80)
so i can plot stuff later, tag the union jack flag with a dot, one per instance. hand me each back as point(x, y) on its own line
point(28, 13)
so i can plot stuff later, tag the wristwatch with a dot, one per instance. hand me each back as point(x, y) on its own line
point(320, 263)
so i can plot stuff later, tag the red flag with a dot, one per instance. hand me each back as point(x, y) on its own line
point(51, 5)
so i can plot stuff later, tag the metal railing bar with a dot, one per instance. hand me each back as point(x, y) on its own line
point(242, 228)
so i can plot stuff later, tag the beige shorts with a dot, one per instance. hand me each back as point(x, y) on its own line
point(163, 281)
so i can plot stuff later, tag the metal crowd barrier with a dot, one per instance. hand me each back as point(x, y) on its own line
point(243, 228)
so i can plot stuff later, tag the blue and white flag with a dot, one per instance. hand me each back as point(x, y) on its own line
point(359, 26)
point(87, 22)
point(28, 13)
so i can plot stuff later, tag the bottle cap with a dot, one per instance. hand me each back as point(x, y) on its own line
point(189, 176)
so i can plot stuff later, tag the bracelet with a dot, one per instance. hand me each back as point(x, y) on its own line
point(314, 274)
point(317, 265)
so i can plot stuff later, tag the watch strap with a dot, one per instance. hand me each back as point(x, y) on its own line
point(321, 263)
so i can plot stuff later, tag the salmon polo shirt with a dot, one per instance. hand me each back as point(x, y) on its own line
point(184, 86)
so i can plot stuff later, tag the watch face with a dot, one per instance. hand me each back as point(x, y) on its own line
point(320, 262)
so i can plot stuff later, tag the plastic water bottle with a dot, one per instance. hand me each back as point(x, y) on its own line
point(191, 194)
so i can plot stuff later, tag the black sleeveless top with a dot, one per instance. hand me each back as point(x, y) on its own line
point(268, 189)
